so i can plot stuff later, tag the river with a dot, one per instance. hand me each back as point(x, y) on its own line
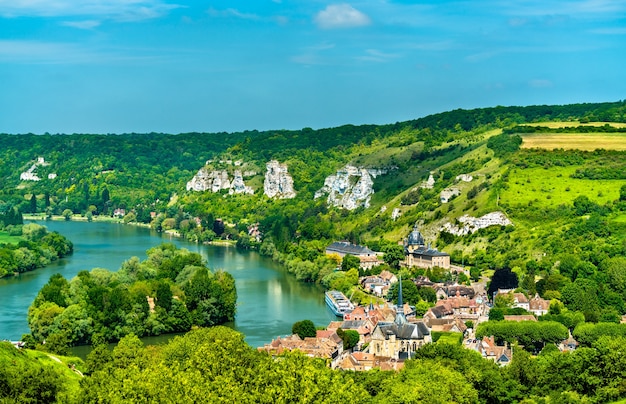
point(269, 299)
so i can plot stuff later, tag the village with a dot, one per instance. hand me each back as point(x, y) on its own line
point(389, 334)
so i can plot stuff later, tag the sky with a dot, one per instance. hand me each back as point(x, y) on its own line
point(175, 66)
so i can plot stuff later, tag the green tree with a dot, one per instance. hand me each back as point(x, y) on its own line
point(350, 338)
point(304, 329)
point(67, 214)
point(393, 254)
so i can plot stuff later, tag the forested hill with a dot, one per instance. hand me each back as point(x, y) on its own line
point(144, 168)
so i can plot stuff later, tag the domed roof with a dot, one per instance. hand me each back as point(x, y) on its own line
point(416, 238)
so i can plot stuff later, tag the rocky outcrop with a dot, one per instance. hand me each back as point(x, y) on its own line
point(350, 187)
point(217, 180)
point(468, 224)
point(278, 183)
point(428, 184)
point(448, 194)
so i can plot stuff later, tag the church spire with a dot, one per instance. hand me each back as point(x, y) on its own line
point(400, 317)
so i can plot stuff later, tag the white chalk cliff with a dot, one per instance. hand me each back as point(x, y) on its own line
point(350, 187)
point(468, 224)
point(217, 180)
point(278, 183)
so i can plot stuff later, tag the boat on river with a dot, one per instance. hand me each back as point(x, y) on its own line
point(338, 303)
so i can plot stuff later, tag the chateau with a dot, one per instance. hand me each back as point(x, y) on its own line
point(418, 254)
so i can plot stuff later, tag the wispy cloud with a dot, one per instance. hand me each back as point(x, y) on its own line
point(85, 24)
point(580, 8)
point(609, 31)
point(312, 55)
point(341, 16)
point(47, 52)
point(540, 83)
point(231, 12)
point(374, 55)
point(122, 10)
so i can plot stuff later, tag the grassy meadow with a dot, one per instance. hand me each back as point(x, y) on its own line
point(553, 187)
point(5, 238)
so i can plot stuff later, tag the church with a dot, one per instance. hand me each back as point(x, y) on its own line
point(400, 339)
point(418, 254)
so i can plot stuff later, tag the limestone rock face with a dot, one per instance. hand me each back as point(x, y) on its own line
point(217, 180)
point(278, 183)
point(350, 187)
point(469, 224)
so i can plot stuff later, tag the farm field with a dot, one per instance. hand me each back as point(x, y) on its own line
point(553, 187)
point(577, 141)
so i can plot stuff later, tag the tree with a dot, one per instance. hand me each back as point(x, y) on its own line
point(350, 261)
point(67, 214)
point(394, 253)
point(622, 193)
point(304, 328)
point(350, 338)
point(33, 204)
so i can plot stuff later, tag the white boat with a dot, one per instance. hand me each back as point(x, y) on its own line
point(338, 303)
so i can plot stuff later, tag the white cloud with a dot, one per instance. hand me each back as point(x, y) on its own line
point(341, 16)
point(374, 55)
point(540, 83)
point(231, 12)
point(122, 10)
point(85, 24)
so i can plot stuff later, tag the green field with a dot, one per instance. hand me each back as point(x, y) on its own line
point(454, 338)
point(5, 238)
point(553, 187)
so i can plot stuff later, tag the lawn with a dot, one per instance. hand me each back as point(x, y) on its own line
point(577, 141)
point(553, 187)
point(5, 238)
point(454, 338)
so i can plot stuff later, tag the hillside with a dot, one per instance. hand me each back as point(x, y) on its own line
point(34, 376)
point(565, 204)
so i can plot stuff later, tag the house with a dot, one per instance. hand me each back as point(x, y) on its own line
point(418, 254)
point(569, 344)
point(520, 301)
point(375, 285)
point(502, 355)
point(454, 324)
point(388, 277)
point(361, 361)
point(538, 306)
point(368, 258)
point(446, 291)
point(326, 345)
point(363, 327)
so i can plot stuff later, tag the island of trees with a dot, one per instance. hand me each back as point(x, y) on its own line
point(25, 247)
point(171, 291)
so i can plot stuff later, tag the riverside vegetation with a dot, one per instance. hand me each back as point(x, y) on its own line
point(25, 247)
point(568, 242)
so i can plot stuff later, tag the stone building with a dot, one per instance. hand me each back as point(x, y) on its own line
point(418, 254)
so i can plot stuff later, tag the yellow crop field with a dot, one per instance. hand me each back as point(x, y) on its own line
point(577, 141)
point(575, 124)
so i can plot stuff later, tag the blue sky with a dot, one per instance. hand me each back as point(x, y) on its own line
point(117, 66)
